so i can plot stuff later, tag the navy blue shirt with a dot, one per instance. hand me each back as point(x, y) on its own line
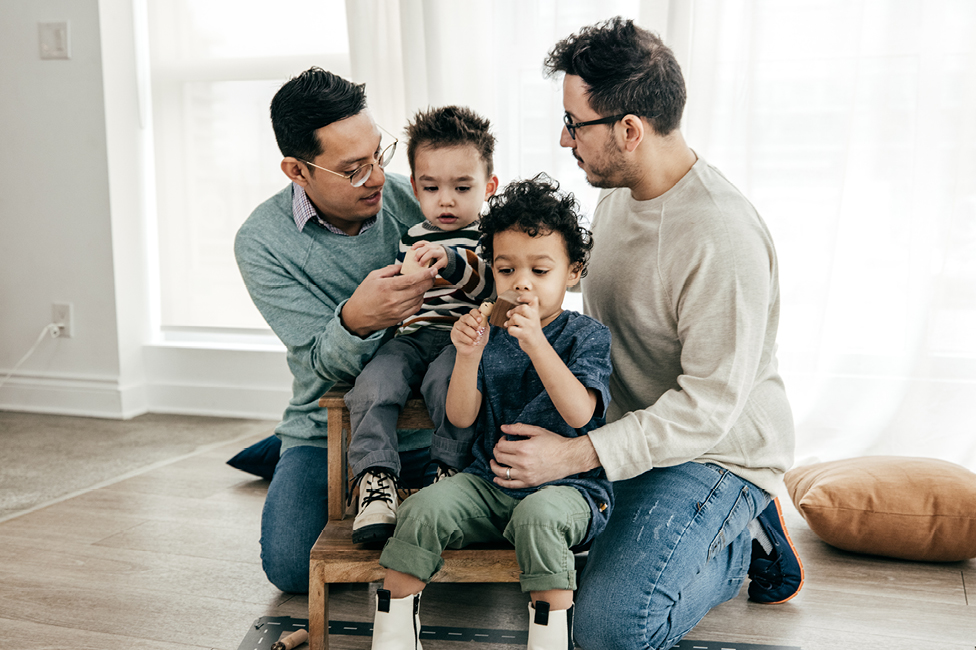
point(512, 392)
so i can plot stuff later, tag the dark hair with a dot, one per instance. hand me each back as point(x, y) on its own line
point(627, 69)
point(451, 126)
point(306, 103)
point(536, 207)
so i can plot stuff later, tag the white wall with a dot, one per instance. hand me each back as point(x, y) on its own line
point(73, 229)
point(55, 223)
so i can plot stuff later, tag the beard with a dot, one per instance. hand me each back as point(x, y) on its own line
point(612, 171)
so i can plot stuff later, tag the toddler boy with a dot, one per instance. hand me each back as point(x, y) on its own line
point(545, 367)
point(450, 152)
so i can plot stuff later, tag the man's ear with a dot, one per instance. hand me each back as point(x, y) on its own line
point(633, 131)
point(294, 170)
point(491, 187)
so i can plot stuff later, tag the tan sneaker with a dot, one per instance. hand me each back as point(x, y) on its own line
point(376, 518)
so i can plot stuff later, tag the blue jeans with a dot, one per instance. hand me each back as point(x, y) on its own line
point(677, 545)
point(297, 508)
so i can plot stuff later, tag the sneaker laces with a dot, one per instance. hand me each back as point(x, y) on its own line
point(443, 471)
point(377, 489)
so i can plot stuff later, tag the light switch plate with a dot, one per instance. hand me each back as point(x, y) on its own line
point(54, 41)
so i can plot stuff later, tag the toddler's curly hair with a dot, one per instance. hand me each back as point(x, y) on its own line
point(537, 207)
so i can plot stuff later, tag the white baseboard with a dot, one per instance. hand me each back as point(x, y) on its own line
point(64, 394)
point(220, 382)
point(219, 401)
point(252, 384)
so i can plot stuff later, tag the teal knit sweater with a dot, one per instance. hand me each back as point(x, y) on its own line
point(300, 280)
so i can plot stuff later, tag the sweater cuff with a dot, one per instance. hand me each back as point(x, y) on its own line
point(347, 350)
point(449, 271)
point(623, 453)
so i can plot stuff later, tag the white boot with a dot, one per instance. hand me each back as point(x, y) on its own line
point(396, 624)
point(550, 630)
point(376, 519)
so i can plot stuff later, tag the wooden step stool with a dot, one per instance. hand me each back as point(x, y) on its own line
point(335, 559)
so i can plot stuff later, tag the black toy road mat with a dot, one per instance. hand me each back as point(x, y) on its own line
point(268, 629)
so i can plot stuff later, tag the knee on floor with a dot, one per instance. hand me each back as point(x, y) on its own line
point(290, 577)
point(595, 627)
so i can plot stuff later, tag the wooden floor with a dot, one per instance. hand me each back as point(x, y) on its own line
point(169, 560)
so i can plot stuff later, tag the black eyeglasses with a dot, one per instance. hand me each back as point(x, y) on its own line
point(571, 126)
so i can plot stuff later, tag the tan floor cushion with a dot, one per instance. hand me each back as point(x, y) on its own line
point(908, 508)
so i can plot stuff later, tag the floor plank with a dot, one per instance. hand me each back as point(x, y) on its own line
point(67, 520)
point(968, 575)
point(129, 609)
point(37, 636)
point(194, 478)
point(817, 613)
point(109, 502)
point(829, 568)
point(100, 567)
point(199, 540)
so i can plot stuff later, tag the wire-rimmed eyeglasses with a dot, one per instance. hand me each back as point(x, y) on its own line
point(572, 126)
point(361, 174)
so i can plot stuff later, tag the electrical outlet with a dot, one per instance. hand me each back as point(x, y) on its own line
point(54, 40)
point(62, 315)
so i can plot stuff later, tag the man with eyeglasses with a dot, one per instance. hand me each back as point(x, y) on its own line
point(699, 430)
point(318, 261)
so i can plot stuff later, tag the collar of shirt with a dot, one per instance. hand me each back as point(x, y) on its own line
point(303, 211)
point(426, 225)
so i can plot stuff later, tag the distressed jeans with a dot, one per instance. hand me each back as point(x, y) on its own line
point(677, 545)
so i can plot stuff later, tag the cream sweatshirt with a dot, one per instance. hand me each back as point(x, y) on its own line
point(687, 283)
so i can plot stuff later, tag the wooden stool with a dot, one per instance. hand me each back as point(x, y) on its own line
point(335, 559)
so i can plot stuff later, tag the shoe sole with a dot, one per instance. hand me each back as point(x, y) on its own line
point(373, 533)
point(786, 534)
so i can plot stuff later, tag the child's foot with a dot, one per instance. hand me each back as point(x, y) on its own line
point(776, 571)
point(550, 630)
point(443, 472)
point(436, 471)
point(396, 623)
point(376, 519)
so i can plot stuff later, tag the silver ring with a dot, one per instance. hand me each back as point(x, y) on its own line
point(508, 473)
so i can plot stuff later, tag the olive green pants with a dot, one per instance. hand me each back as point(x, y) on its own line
point(465, 509)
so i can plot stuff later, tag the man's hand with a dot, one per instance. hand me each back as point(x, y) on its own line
point(384, 299)
point(542, 457)
point(470, 334)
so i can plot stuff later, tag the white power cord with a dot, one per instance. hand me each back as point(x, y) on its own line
point(53, 329)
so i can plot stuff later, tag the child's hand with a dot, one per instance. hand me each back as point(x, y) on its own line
point(427, 252)
point(470, 334)
point(526, 326)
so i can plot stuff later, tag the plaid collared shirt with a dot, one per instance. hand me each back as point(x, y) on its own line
point(303, 211)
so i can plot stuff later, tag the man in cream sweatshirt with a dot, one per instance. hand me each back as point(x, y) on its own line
point(699, 431)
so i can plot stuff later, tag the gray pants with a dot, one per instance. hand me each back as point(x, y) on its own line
point(425, 357)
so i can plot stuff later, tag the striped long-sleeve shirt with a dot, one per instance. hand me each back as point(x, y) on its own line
point(464, 283)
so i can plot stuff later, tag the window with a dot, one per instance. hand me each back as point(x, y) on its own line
point(215, 65)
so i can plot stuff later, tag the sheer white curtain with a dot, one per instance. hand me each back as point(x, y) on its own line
point(215, 65)
point(850, 124)
point(487, 55)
